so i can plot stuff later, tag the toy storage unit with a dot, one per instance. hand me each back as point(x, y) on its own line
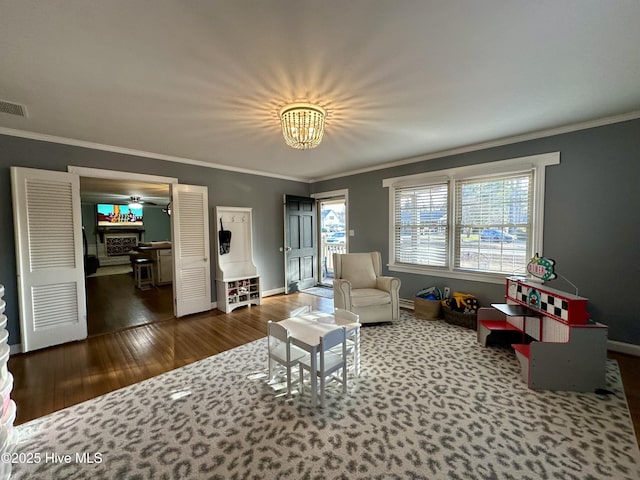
point(237, 279)
point(7, 405)
point(557, 345)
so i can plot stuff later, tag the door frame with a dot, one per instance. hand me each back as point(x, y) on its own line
point(121, 175)
point(319, 196)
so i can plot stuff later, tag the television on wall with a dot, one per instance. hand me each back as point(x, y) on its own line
point(111, 215)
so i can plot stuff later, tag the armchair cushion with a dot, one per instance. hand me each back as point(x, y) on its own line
point(358, 269)
point(364, 297)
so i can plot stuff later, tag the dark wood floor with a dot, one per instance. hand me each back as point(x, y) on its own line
point(113, 303)
point(54, 378)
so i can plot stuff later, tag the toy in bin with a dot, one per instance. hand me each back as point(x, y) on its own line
point(427, 303)
point(461, 302)
point(461, 309)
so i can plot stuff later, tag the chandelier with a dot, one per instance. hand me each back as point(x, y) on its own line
point(302, 125)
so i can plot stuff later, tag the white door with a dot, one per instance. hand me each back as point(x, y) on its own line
point(49, 257)
point(191, 264)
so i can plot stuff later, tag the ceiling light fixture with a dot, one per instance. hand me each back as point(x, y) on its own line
point(302, 125)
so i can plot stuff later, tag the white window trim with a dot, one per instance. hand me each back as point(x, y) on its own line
point(536, 162)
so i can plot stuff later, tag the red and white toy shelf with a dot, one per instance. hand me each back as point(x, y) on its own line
point(559, 347)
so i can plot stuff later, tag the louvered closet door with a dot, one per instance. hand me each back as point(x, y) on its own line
point(192, 267)
point(48, 236)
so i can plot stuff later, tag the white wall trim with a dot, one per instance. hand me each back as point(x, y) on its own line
point(476, 170)
point(621, 347)
point(491, 144)
point(496, 278)
point(118, 175)
point(408, 304)
point(15, 348)
point(430, 156)
point(333, 193)
point(537, 163)
point(275, 291)
point(138, 153)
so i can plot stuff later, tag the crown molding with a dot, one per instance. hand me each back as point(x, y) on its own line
point(138, 153)
point(430, 156)
point(574, 127)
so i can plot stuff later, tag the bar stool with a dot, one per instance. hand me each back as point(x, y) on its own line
point(143, 273)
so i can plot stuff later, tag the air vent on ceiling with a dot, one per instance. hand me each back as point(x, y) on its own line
point(13, 108)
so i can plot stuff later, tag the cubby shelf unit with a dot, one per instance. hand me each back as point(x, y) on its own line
point(237, 279)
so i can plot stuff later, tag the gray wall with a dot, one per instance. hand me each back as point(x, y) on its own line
point(157, 224)
point(89, 220)
point(592, 219)
point(227, 188)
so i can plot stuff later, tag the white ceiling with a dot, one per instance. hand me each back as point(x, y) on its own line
point(103, 190)
point(201, 81)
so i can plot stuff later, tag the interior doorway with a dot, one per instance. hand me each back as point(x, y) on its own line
point(333, 231)
point(113, 301)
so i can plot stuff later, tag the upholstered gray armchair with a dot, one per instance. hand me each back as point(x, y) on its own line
point(359, 287)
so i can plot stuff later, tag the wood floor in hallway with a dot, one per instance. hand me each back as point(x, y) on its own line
point(114, 303)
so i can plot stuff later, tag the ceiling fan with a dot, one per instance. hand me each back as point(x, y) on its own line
point(136, 202)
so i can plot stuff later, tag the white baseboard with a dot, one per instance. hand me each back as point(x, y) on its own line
point(15, 348)
point(275, 291)
point(404, 303)
point(621, 347)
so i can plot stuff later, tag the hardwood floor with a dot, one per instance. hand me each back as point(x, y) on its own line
point(630, 370)
point(57, 377)
point(113, 303)
point(54, 378)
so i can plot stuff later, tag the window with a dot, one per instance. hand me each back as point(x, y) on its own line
point(480, 222)
point(492, 231)
point(420, 225)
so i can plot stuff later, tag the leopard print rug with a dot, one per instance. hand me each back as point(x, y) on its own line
point(430, 403)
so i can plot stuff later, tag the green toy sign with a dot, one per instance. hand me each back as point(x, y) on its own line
point(541, 268)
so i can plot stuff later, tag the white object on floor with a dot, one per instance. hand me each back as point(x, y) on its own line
point(330, 359)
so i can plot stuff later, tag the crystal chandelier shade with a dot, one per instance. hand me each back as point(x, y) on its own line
point(302, 125)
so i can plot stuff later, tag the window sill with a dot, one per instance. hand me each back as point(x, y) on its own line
point(496, 278)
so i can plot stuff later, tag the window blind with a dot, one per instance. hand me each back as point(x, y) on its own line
point(493, 223)
point(420, 225)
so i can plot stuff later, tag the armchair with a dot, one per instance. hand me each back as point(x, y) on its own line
point(359, 287)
